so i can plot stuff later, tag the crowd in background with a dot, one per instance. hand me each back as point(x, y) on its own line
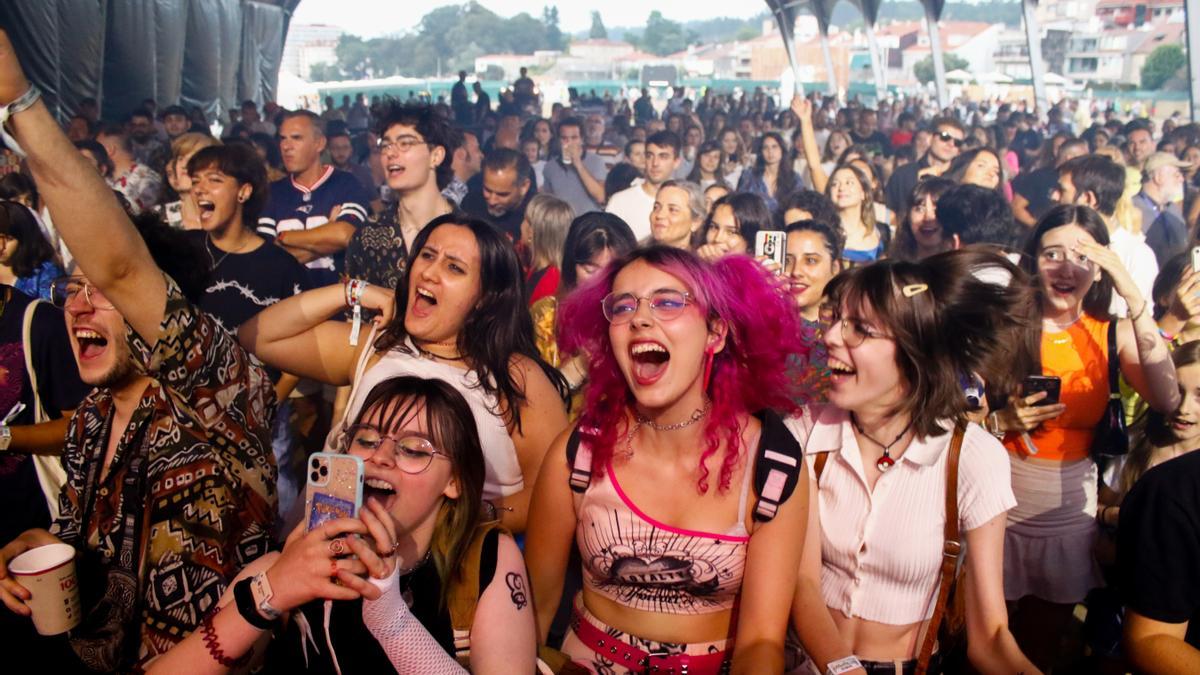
point(598, 413)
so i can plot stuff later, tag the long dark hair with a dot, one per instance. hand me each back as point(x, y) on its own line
point(590, 234)
point(785, 179)
point(452, 431)
point(750, 212)
point(498, 328)
point(17, 221)
point(1098, 300)
point(904, 246)
point(1099, 297)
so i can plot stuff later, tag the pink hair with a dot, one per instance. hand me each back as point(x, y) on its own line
point(748, 375)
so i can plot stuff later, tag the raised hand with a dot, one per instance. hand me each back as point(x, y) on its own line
point(13, 82)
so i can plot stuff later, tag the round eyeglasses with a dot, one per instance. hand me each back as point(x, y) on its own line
point(410, 453)
point(64, 289)
point(664, 304)
point(855, 331)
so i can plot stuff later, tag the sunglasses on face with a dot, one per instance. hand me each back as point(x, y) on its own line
point(945, 137)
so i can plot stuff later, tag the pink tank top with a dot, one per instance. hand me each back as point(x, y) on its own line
point(641, 563)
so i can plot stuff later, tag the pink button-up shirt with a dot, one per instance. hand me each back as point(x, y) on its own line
point(881, 549)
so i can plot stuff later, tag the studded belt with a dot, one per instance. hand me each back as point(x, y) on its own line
point(624, 655)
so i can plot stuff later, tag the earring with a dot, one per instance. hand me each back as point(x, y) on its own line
point(709, 355)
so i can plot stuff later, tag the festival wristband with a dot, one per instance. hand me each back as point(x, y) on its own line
point(260, 586)
point(5, 437)
point(843, 665)
point(23, 102)
point(354, 292)
point(243, 597)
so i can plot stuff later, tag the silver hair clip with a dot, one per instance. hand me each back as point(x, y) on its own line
point(914, 289)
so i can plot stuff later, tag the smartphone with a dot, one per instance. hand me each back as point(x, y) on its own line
point(335, 488)
point(1047, 383)
point(771, 244)
point(1196, 258)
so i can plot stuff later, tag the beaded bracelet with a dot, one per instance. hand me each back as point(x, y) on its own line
point(209, 634)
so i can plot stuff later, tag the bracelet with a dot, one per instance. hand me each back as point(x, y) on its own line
point(1140, 312)
point(992, 421)
point(243, 596)
point(1166, 336)
point(843, 665)
point(354, 289)
point(23, 102)
point(209, 634)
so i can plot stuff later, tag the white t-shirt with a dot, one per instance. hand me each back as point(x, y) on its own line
point(1139, 261)
point(633, 206)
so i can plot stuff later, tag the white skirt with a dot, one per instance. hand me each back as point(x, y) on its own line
point(1051, 531)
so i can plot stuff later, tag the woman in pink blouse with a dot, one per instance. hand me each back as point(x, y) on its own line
point(903, 333)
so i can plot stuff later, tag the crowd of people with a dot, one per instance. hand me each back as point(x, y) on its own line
point(604, 426)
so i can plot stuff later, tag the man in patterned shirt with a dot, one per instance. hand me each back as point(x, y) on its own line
point(170, 477)
point(140, 184)
point(417, 151)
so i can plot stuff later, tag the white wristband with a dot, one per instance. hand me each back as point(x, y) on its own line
point(843, 665)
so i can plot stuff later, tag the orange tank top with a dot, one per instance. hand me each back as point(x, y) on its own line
point(1079, 357)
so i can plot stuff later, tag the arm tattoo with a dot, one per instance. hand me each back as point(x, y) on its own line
point(516, 589)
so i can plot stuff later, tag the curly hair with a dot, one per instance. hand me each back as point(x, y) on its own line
point(747, 375)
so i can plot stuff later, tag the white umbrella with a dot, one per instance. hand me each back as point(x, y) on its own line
point(959, 75)
point(1054, 79)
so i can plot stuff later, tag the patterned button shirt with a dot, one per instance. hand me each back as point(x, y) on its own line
point(189, 498)
point(376, 253)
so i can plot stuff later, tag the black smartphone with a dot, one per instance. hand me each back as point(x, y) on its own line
point(1047, 383)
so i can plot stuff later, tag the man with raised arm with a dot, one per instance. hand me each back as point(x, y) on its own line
point(170, 477)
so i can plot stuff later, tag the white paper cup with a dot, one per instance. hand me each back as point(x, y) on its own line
point(48, 573)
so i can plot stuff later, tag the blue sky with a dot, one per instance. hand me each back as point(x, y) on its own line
point(372, 18)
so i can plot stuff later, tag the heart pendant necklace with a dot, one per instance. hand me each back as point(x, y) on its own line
point(886, 462)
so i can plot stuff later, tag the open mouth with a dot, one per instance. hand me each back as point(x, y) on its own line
point(91, 343)
point(206, 208)
point(1063, 288)
point(930, 230)
point(1182, 425)
point(394, 170)
point(423, 302)
point(649, 361)
point(840, 370)
point(383, 491)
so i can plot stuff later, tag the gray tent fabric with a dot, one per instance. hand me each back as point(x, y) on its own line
point(262, 52)
point(61, 47)
point(211, 55)
point(170, 32)
point(129, 65)
point(122, 52)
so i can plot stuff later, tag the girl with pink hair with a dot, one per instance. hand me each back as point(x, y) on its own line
point(655, 482)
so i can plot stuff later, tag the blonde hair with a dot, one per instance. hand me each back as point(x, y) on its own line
point(189, 143)
point(549, 217)
point(1126, 215)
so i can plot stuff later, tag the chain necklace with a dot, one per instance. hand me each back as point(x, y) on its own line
point(209, 246)
point(883, 463)
point(697, 415)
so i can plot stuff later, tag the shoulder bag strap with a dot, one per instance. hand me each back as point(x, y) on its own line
point(39, 413)
point(1114, 363)
point(463, 597)
point(777, 468)
point(819, 467)
point(49, 468)
point(951, 549)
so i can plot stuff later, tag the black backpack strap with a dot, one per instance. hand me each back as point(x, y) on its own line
point(580, 459)
point(1114, 363)
point(778, 467)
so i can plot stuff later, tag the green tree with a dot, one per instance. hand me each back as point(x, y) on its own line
point(1161, 65)
point(598, 31)
point(923, 69)
point(554, 35)
point(663, 36)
